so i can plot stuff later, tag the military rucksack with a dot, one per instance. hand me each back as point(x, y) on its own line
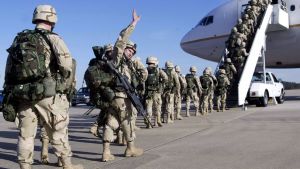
point(169, 85)
point(98, 79)
point(152, 82)
point(221, 81)
point(190, 80)
point(26, 59)
point(206, 82)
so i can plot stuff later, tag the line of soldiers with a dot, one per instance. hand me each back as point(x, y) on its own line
point(242, 35)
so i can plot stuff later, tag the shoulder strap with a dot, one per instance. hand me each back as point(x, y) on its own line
point(46, 39)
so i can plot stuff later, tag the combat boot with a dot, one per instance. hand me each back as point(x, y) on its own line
point(25, 166)
point(187, 112)
point(132, 151)
point(178, 116)
point(59, 163)
point(67, 164)
point(169, 119)
point(159, 121)
point(44, 152)
point(107, 156)
point(94, 129)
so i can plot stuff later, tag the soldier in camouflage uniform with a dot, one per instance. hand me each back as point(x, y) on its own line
point(50, 107)
point(207, 84)
point(171, 87)
point(229, 69)
point(154, 86)
point(120, 109)
point(221, 89)
point(94, 129)
point(178, 96)
point(212, 90)
point(194, 91)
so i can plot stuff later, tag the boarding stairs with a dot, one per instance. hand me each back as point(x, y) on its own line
point(274, 19)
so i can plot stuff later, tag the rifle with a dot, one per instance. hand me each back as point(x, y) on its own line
point(130, 91)
point(89, 111)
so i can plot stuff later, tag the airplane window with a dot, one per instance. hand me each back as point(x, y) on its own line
point(210, 20)
point(293, 7)
point(206, 21)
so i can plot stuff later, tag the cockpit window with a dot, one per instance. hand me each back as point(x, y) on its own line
point(206, 21)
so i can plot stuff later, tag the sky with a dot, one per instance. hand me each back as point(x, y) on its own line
point(83, 24)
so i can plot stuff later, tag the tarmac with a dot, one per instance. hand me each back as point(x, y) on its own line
point(259, 138)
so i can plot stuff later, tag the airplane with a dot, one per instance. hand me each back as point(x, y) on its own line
point(207, 39)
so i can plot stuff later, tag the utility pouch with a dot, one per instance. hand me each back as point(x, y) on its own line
point(49, 87)
point(9, 112)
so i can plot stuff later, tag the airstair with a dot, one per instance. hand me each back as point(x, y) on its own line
point(274, 18)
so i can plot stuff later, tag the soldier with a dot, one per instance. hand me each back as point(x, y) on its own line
point(120, 108)
point(194, 91)
point(98, 64)
point(241, 55)
point(154, 86)
point(212, 91)
point(242, 27)
point(44, 90)
point(232, 39)
point(171, 87)
point(249, 22)
point(207, 85)
point(221, 89)
point(229, 68)
point(178, 96)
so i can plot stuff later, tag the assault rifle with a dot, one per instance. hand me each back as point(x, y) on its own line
point(130, 91)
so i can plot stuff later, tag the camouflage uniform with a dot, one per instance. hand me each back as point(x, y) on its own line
point(154, 85)
point(194, 91)
point(171, 87)
point(212, 91)
point(51, 112)
point(221, 89)
point(207, 86)
point(178, 95)
point(229, 69)
point(120, 110)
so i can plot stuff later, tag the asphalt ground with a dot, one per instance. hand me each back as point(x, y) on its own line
point(259, 138)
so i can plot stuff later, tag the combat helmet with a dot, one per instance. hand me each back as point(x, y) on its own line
point(108, 47)
point(228, 60)
point(177, 68)
point(222, 71)
point(131, 45)
point(169, 65)
point(207, 71)
point(151, 60)
point(44, 13)
point(193, 69)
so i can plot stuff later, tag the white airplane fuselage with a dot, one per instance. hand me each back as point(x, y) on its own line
point(207, 40)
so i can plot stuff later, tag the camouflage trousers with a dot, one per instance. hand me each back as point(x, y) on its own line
point(120, 114)
point(221, 101)
point(211, 96)
point(153, 106)
point(192, 97)
point(169, 101)
point(177, 102)
point(204, 103)
point(53, 115)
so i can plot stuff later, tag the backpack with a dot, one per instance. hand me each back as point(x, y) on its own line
point(98, 79)
point(190, 80)
point(26, 59)
point(221, 81)
point(170, 82)
point(152, 82)
point(206, 82)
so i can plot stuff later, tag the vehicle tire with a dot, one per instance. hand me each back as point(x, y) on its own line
point(280, 99)
point(74, 104)
point(264, 100)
